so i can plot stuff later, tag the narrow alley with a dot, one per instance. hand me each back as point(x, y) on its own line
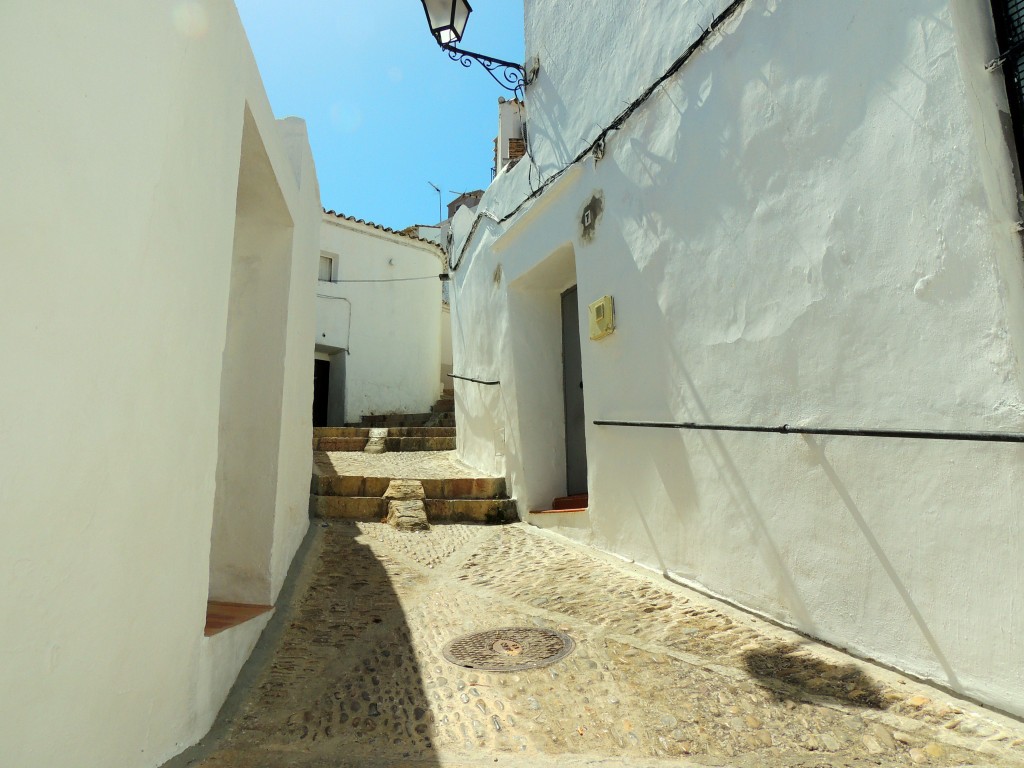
point(353, 672)
point(550, 384)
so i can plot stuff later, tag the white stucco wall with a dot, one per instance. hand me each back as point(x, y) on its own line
point(333, 317)
point(446, 346)
point(386, 312)
point(291, 517)
point(793, 232)
point(122, 153)
point(436, 234)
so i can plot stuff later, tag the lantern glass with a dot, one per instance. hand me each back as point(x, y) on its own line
point(447, 19)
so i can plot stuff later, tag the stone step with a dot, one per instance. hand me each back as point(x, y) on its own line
point(442, 420)
point(476, 488)
point(432, 420)
point(391, 444)
point(340, 443)
point(374, 509)
point(396, 420)
point(420, 443)
point(443, 406)
point(392, 432)
point(340, 432)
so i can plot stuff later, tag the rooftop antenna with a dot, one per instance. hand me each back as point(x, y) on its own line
point(437, 189)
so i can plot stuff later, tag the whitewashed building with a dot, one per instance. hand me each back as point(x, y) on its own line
point(159, 231)
point(804, 214)
point(378, 337)
point(439, 234)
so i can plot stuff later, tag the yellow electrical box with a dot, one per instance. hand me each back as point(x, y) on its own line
point(602, 317)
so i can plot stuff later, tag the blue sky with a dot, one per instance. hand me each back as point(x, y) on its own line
point(387, 110)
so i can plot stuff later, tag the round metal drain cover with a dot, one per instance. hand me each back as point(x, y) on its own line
point(509, 649)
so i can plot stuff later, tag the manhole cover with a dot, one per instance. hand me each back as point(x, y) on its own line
point(509, 649)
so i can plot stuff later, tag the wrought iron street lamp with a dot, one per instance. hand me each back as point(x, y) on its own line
point(447, 20)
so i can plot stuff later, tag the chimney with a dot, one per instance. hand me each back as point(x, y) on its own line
point(510, 146)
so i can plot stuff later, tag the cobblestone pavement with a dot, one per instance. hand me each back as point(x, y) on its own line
point(420, 465)
point(659, 676)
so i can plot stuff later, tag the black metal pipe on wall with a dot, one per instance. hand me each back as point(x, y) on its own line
point(785, 429)
point(475, 381)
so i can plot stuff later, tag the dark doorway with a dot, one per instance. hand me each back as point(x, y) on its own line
point(572, 377)
point(321, 391)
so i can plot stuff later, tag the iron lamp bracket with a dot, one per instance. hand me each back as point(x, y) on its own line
point(507, 74)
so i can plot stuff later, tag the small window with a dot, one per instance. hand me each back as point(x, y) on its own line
point(326, 268)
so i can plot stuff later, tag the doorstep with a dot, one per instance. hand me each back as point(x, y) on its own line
point(566, 505)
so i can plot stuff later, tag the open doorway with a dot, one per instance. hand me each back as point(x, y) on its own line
point(321, 391)
point(546, 350)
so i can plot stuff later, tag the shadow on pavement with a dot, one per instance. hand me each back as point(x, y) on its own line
point(338, 683)
point(802, 676)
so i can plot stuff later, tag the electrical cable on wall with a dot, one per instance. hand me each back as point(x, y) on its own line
point(348, 338)
point(599, 142)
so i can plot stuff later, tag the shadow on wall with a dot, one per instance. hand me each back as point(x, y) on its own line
point(682, 398)
point(890, 570)
point(735, 303)
point(793, 677)
point(652, 168)
point(335, 678)
point(545, 100)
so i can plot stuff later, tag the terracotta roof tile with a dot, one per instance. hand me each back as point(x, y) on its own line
point(380, 227)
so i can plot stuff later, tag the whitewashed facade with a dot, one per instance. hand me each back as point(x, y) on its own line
point(378, 319)
point(158, 229)
point(811, 221)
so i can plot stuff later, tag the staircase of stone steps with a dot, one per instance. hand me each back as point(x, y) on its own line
point(348, 495)
point(408, 420)
point(445, 403)
point(442, 414)
point(397, 439)
point(351, 475)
